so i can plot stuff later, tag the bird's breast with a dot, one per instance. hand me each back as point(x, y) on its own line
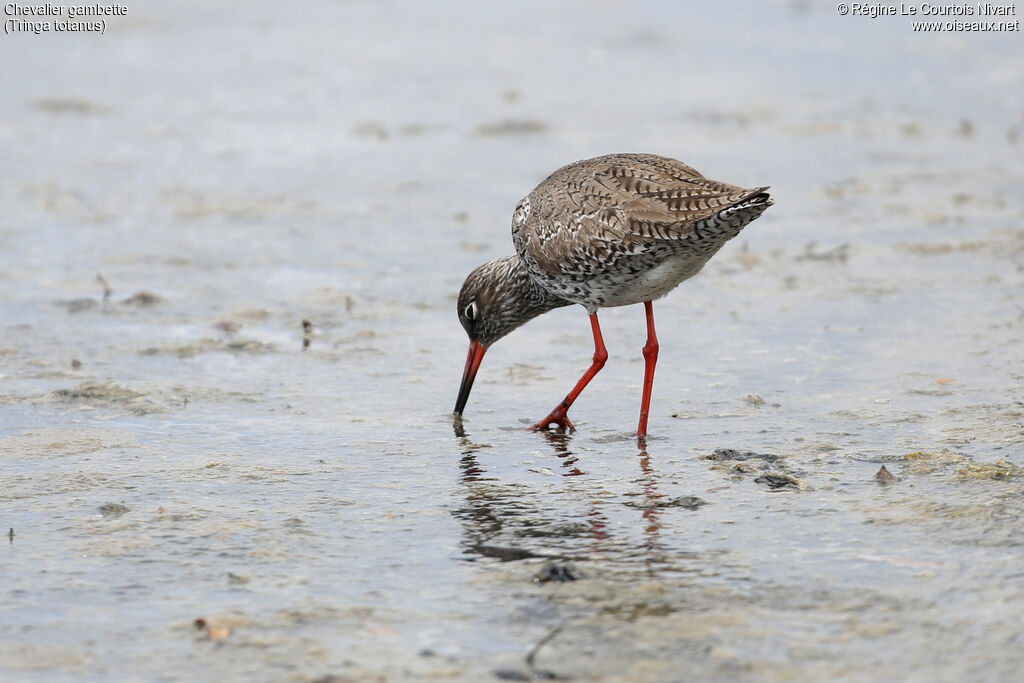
point(650, 282)
point(625, 280)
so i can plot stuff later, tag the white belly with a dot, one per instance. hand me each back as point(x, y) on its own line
point(653, 283)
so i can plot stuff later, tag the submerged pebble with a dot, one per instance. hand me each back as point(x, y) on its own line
point(999, 470)
point(777, 480)
point(113, 509)
point(558, 572)
point(884, 476)
point(733, 454)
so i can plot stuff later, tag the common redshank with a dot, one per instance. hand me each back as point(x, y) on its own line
point(611, 231)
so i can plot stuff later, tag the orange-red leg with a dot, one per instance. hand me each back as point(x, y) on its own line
point(650, 360)
point(560, 415)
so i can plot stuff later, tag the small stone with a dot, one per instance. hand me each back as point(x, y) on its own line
point(777, 480)
point(558, 571)
point(688, 502)
point(142, 298)
point(884, 476)
point(733, 454)
point(113, 509)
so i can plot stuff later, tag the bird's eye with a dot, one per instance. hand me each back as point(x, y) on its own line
point(470, 311)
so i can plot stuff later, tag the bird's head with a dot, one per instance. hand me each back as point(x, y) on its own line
point(487, 303)
point(496, 298)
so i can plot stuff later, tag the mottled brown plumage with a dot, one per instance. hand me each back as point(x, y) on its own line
point(611, 231)
point(593, 231)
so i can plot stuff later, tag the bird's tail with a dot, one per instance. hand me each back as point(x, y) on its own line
point(749, 207)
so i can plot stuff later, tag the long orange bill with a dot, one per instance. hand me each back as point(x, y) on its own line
point(476, 354)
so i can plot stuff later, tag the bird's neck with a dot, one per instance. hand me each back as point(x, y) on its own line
point(531, 299)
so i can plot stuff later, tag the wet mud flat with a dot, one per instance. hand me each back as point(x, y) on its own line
point(194, 497)
point(229, 351)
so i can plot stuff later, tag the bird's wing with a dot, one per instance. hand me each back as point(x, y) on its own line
point(614, 204)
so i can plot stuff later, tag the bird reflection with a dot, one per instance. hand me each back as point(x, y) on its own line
point(511, 520)
point(457, 427)
point(649, 487)
point(471, 470)
point(559, 441)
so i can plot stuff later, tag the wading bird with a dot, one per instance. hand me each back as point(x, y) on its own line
point(611, 231)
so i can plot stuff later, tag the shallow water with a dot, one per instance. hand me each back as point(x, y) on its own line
point(172, 452)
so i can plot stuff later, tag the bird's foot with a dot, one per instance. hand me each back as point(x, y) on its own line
point(559, 417)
